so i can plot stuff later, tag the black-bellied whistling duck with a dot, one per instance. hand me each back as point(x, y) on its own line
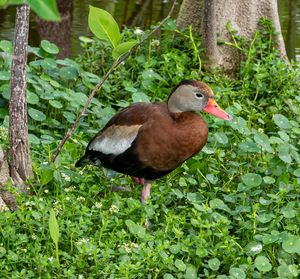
point(149, 140)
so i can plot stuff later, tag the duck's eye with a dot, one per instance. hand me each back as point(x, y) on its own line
point(199, 95)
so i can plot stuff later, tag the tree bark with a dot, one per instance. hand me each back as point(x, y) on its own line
point(58, 32)
point(20, 163)
point(243, 15)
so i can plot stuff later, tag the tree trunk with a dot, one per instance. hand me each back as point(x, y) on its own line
point(20, 164)
point(243, 15)
point(58, 32)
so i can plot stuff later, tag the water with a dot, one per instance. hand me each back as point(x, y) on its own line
point(143, 13)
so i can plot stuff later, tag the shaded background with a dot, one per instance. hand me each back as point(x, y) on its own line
point(143, 13)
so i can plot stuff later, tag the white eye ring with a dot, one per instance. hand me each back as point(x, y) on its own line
point(199, 95)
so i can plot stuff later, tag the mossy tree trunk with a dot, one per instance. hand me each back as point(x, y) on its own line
point(20, 163)
point(209, 18)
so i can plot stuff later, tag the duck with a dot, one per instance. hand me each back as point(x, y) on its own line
point(149, 140)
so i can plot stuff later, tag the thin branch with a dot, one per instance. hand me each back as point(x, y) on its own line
point(115, 65)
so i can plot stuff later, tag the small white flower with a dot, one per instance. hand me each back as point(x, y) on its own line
point(256, 248)
point(260, 130)
point(113, 209)
point(98, 204)
point(33, 236)
point(80, 172)
point(66, 177)
point(69, 189)
point(46, 191)
point(138, 31)
point(81, 199)
point(50, 259)
point(155, 43)
point(67, 198)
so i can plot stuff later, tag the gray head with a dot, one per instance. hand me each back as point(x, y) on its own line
point(193, 95)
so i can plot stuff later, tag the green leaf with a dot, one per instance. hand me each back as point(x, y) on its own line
point(221, 138)
point(262, 263)
point(3, 2)
point(253, 248)
point(214, 264)
point(219, 204)
point(46, 9)
point(53, 227)
point(4, 75)
point(168, 276)
point(281, 121)
point(36, 114)
point(33, 139)
point(283, 153)
point(46, 174)
point(135, 229)
point(140, 97)
point(55, 104)
point(263, 141)
point(122, 48)
point(180, 265)
point(252, 179)
point(292, 244)
point(6, 46)
point(49, 47)
point(269, 180)
point(237, 273)
point(191, 272)
point(32, 98)
point(297, 172)
point(103, 26)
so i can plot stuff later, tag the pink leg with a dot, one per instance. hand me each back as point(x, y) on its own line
point(138, 180)
point(146, 191)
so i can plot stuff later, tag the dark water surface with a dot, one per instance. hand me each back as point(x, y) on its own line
point(143, 13)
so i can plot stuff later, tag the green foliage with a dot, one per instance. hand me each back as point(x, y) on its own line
point(46, 9)
point(232, 211)
point(105, 28)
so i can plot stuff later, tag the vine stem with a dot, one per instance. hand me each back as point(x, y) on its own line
point(114, 66)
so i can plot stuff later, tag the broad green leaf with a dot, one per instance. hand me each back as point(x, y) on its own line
point(168, 276)
point(262, 263)
point(122, 48)
point(219, 204)
point(140, 97)
point(253, 248)
point(180, 265)
point(237, 273)
point(292, 244)
point(46, 174)
point(36, 114)
point(214, 264)
point(4, 75)
point(103, 26)
point(6, 46)
point(252, 179)
point(68, 73)
point(33, 139)
point(263, 141)
point(3, 2)
point(269, 180)
point(221, 138)
point(297, 172)
point(49, 47)
point(191, 272)
point(283, 153)
point(269, 238)
point(32, 98)
point(135, 229)
point(53, 227)
point(281, 121)
point(46, 9)
point(55, 104)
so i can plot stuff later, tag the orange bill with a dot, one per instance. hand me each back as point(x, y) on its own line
point(214, 109)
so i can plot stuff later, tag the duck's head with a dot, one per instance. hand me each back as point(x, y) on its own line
point(193, 95)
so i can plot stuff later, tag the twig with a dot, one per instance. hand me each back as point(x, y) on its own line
point(115, 65)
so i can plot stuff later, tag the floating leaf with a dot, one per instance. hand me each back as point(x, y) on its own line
point(281, 121)
point(262, 263)
point(237, 273)
point(121, 49)
point(135, 229)
point(252, 179)
point(49, 47)
point(214, 264)
point(103, 26)
point(36, 114)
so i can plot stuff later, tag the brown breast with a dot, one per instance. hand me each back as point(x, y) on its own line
point(166, 141)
